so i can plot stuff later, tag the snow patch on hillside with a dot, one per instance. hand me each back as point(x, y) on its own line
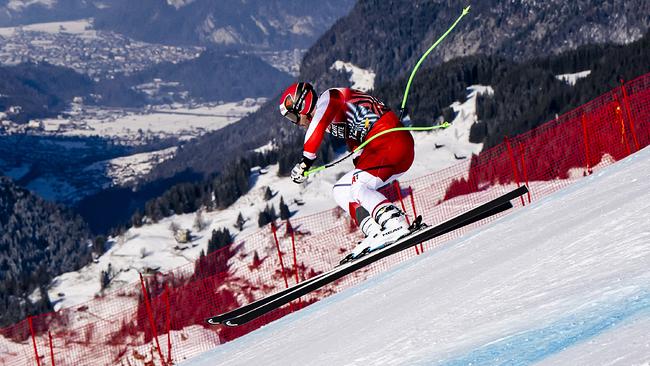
point(179, 3)
point(361, 79)
point(572, 78)
point(82, 27)
point(439, 149)
point(19, 5)
point(127, 169)
point(178, 121)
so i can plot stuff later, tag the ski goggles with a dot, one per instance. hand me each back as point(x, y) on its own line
point(291, 109)
point(288, 110)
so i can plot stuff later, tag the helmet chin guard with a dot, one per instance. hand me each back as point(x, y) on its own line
point(298, 99)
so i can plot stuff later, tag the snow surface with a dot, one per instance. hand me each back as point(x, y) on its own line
point(572, 78)
point(19, 5)
point(361, 79)
point(82, 27)
point(127, 169)
point(179, 121)
point(564, 281)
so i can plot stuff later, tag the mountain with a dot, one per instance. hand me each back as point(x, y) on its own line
point(214, 76)
point(39, 241)
point(240, 24)
point(39, 90)
point(390, 45)
point(516, 30)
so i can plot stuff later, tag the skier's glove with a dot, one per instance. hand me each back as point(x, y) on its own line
point(298, 171)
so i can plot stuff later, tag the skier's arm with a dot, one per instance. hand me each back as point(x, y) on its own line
point(324, 114)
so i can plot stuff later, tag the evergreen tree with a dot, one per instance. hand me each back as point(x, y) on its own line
point(284, 210)
point(220, 238)
point(266, 216)
point(240, 222)
point(268, 194)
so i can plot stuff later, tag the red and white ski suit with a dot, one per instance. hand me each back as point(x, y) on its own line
point(383, 160)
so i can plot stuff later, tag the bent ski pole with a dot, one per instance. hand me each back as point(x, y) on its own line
point(417, 66)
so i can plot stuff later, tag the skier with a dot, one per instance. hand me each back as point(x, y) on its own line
point(356, 117)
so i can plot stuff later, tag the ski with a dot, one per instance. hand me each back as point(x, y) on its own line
point(246, 308)
point(260, 307)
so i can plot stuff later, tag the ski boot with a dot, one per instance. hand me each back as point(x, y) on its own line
point(388, 226)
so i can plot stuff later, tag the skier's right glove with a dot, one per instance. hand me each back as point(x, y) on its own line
point(298, 171)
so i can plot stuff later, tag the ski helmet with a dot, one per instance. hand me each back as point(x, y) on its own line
point(298, 99)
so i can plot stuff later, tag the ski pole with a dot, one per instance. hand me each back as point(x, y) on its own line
point(417, 65)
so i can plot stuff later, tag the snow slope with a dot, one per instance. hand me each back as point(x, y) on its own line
point(564, 281)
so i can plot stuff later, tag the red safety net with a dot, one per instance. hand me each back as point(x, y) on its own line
point(161, 319)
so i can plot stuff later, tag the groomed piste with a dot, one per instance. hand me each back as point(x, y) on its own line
point(562, 281)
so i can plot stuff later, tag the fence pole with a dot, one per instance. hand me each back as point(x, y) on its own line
point(169, 326)
point(145, 293)
point(31, 330)
point(277, 246)
point(295, 256)
point(514, 165)
point(523, 167)
point(293, 247)
point(49, 334)
point(586, 140)
point(415, 213)
point(628, 109)
point(401, 201)
point(619, 117)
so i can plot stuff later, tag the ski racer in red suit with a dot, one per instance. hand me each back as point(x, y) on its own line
point(356, 117)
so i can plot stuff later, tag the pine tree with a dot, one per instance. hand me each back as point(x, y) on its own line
point(284, 210)
point(240, 222)
point(220, 238)
point(266, 216)
point(268, 194)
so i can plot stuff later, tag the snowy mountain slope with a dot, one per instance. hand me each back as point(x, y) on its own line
point(157, 240)
point(564, 281)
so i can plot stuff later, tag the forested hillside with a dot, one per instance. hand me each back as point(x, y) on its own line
point(215, 76)
point(39, 240)
point(390, 46)
point(526, 95)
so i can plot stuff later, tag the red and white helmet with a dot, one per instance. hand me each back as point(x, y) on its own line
point(298, 99)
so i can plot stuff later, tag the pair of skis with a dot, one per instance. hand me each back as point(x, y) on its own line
point(265, 305)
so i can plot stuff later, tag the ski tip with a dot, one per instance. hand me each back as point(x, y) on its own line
point(213, 321)
point(230, 323)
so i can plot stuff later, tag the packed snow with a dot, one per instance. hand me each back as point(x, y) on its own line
point(564, 281)
point(572, 78)
point(361, 79)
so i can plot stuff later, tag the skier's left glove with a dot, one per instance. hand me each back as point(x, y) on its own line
point(298, 171)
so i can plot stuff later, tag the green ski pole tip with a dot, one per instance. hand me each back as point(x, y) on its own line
point(466, 10)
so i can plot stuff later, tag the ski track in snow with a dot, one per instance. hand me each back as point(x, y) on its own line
point(564, 281)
